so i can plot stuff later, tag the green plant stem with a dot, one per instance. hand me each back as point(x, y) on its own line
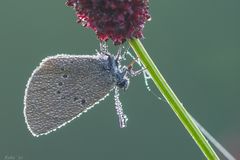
point(172, 99)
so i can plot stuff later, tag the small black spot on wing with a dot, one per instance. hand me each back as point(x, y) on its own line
point(75, 98)
point(65, 76)
point(83, 101)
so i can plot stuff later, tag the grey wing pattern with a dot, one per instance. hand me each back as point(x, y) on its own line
point(61, 88)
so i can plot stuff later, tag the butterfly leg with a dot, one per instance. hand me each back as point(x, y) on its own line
point(119, 56)
point(133, 73)
point(104, 49)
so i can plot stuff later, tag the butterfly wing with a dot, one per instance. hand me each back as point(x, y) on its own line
point(61, 88)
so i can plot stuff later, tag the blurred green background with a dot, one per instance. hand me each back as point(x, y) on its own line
point(195, 44)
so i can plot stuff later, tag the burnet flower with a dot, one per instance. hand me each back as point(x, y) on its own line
point(118, 20)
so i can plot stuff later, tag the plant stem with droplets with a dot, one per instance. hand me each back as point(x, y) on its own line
point(172, 99)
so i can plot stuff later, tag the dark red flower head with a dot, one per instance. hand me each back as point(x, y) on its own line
point(112, 19)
